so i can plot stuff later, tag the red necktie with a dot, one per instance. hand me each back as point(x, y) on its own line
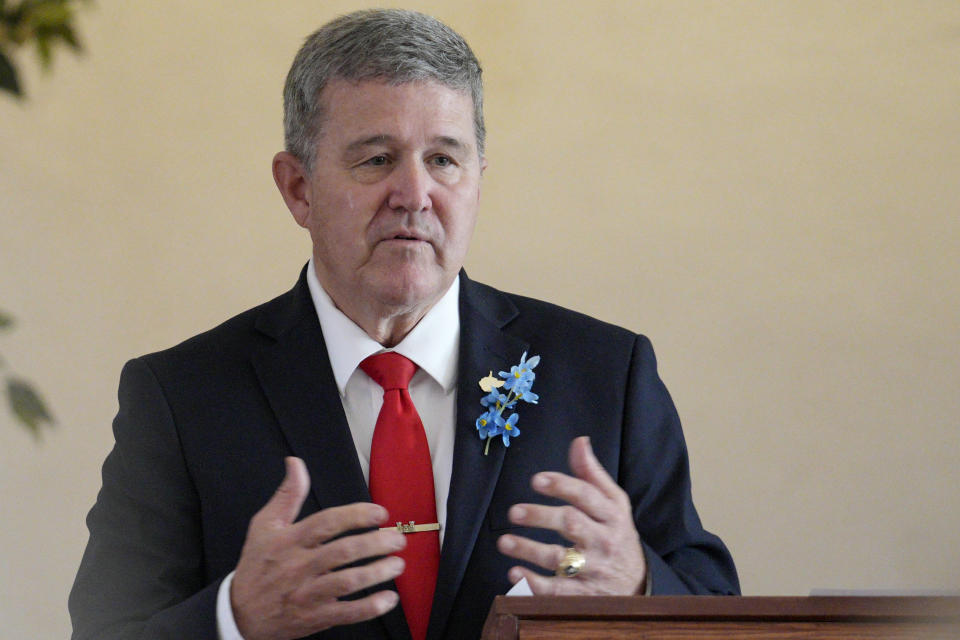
point(401, 480)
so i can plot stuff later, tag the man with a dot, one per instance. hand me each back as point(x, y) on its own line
point(190, 536)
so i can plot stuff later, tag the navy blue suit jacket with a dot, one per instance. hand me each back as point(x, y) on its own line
point(203, 428)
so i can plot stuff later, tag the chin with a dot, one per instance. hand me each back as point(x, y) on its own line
point(410, 289)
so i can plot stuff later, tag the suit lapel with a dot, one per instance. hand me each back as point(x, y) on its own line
point(298, 382)
point(484, 347)
point(297, 379)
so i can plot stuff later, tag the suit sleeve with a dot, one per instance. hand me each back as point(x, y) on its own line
point(682, 558)
point(142, 573)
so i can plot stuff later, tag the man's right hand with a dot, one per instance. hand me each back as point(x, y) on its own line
point(288, 581)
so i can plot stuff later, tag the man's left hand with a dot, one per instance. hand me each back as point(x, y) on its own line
point(597, 520)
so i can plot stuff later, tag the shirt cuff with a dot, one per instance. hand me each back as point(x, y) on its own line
point(226, 625)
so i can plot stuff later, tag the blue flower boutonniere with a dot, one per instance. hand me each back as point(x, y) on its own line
point(517, 383)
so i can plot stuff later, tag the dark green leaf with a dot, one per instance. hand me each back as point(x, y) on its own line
point(8, 76)
point(27, 405)
point(48, 14)
point(6, 320)
point(43, 50)
point(59, 32)
point(69, 36)
point(16, 15)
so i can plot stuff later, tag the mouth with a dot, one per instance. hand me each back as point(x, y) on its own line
point(406, 236)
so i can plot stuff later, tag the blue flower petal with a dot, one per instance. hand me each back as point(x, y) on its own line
point(530, 396)
point(517, 382)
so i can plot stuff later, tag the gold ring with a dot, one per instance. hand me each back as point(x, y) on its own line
point(573, 563)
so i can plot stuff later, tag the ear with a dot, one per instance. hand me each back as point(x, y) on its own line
point(483, 167)
point(293, 182)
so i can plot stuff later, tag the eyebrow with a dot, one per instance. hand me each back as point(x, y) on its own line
point(456, 143)
point(379, 139)
point(368, 142)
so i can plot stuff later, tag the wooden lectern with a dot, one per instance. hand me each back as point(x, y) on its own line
point(723, 617)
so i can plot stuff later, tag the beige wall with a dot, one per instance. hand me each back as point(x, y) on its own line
point(769, 190)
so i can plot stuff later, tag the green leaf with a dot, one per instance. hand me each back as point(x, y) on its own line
point(43, 49)
point(69, 36)
point(48, 14)
point(27, 405)
point(6, 320)
point(8, 76)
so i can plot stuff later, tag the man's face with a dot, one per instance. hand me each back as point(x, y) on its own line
point(393, 194)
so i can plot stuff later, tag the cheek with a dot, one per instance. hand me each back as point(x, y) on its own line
point(457, 235)
point(340, 220)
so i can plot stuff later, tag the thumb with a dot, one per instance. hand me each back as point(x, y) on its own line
point(285, 504)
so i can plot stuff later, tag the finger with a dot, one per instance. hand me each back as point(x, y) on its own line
point(283, 507)
point(329, 523)
point(579, 493)
point(543, 555)
point(337, 584)
point(585, 466)
point(568, 521)
point(340, 612)
point(349, 549)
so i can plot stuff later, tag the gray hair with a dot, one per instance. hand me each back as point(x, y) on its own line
point(394, 45)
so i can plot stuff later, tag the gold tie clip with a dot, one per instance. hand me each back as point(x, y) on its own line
point(412, 527)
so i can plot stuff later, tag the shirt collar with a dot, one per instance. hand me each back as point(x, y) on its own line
point(433, 344)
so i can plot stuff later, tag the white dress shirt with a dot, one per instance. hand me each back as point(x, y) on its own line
point(433, 344)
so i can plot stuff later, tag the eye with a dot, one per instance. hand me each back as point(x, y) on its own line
point(377, 161)
point(442, 161)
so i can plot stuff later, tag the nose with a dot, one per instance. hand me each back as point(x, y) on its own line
point(410, 187)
